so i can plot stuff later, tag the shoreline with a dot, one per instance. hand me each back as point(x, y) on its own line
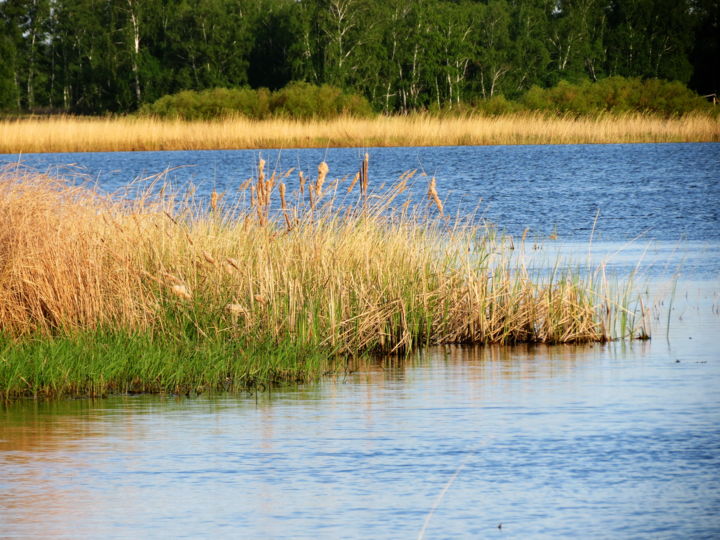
point(122, 134)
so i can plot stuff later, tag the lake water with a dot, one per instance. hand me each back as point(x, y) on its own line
point(652, 191)
point(618, 440)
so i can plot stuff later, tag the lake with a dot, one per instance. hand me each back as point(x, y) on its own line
point(618, 440)
point(649, 191)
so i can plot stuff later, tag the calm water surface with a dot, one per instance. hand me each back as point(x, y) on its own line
point(607, 441)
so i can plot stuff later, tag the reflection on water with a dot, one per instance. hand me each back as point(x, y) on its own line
point(616, 440)
point(613, 440)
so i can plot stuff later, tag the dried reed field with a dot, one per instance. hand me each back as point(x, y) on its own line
point(86, 134)
point(167, 292)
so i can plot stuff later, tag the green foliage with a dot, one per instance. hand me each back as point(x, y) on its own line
point(99, 362)
point(212, 103)
point(497, 105)
point(8, 89)
point(84, 56)
point(297, 100)
point(616, 95)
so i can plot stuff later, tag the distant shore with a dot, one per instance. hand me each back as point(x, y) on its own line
point(107, 134)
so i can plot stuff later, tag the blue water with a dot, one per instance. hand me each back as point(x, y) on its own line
point(666, 192)
point(613, 441)
point(618, 440)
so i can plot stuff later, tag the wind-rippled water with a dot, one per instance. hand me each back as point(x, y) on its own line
point(617, 440)
point(653, 191)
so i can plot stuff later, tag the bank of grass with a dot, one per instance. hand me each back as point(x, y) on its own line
point(88, 134)
point(165, 292)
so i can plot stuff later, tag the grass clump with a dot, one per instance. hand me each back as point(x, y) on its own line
point(169, 292)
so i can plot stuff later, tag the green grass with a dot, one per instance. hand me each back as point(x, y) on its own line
point(98, 363)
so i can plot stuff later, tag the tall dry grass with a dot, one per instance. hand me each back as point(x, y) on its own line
point(80, 134)
point(328, 268)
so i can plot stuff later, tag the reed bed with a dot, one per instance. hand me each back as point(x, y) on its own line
point(168, 292)
point(85, 134)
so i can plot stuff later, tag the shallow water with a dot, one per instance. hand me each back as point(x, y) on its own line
point(620, 440)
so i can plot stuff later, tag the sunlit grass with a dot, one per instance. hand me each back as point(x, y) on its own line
point(85, 134)
point(168, 292)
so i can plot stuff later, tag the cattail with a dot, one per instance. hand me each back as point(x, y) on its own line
point(283, 204)
point(209, 258)
point(261, 170)
point(181, 291)
point(364, 180)
point(233, 262)
point(213, 200)
point(322, 173)
point(301, 176)
point(260, 187)
point(433, 195)
point(269, 185)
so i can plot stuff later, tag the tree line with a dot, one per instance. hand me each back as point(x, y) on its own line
point(98, 56)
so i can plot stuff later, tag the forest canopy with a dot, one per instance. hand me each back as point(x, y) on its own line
point(100, 56)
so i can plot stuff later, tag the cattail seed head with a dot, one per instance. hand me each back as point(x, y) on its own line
point(433, 195)
point(322, 173)
point(281, 188)
point(209, 258)
point(233, 262)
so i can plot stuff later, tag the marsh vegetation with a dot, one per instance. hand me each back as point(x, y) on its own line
point(164, 291)
point(84, 134)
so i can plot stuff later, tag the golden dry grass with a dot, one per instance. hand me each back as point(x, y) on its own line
point(330, 272)
point(82, 134)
